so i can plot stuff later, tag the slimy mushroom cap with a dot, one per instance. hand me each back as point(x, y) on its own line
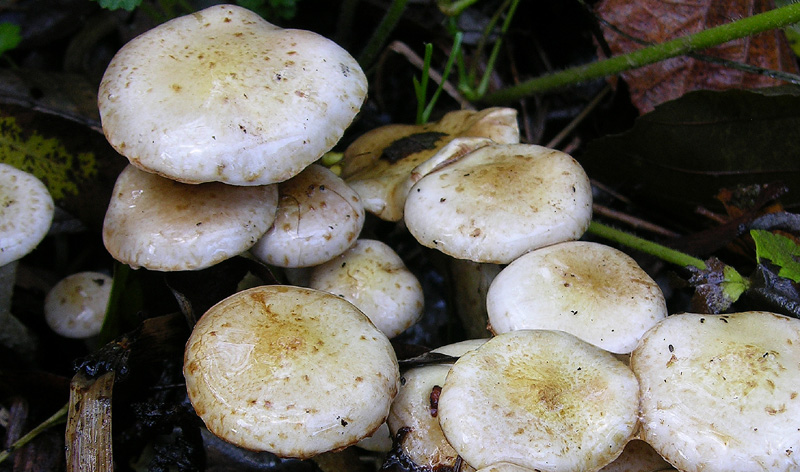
point(26, 212)
point(164, 225)
point(499, 202)
point(722, 392)
point(222, 95)
point(539, 399)
point(591, 290)
point(289, 370)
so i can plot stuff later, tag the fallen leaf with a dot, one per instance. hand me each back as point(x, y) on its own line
point(679, 156)
point(655, 21)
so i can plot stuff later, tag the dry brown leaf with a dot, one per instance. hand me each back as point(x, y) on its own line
point(657, 21)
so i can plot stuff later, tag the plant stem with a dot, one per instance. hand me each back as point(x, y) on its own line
point(662, 252)
point(382, 32)
point(57, 418)
point(776, 18)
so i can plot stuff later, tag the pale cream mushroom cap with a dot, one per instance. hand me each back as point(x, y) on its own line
point(289, 370)
point(75, 307)
point(539, 399)
point(499, 202)
point(722, 392)
point(371, 276)
point(26, 212)
point(164, 225)
point(384, 163)
point(421, 440)
point(318, 218)
point(222, 95)
point(591, 290)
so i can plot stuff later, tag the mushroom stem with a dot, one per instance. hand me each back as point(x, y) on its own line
point(13, 334)
point(471, 281)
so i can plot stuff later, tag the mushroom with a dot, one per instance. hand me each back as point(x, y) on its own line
point(318, 218)
point(371, 276)
point(26, 212)
point(384, 163)
point(722, 392)
point(591, 290)
point(75, 307)
point(499, 202)
point(289, 370)
point(222, 95)
point(413, 419)
point(539, 399)
point(164, 225)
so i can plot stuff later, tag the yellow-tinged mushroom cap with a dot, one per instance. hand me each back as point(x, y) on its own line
point(289, 370)
point(222, 95)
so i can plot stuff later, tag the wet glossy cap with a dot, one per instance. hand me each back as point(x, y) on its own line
point(26, 211)
point(722, 392)
point(161, 224)
point(371, 276)
point(591, 290)
point(499, 202)
point(539, 399)
point(318, 218)
point(289, 370)
point(75, 307)
point(383, 164)
point(222, 95)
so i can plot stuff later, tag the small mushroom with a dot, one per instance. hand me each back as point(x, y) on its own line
point(722, 392)
point(539, 399)
point(164, 225)
point(289, 370)
point(499, 202)
point(371, 276)
point(75, 307)
point(591, 290)
point(26, 212)
point(222, 95)
point(384, 163)
point(318, 218)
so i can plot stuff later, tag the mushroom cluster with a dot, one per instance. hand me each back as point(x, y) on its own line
point(213, 110)
point(222, 122)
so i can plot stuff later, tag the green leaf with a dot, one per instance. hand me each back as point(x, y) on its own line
point(9, 37)
point(680, 155)
point(128, 5)
point(780, 250)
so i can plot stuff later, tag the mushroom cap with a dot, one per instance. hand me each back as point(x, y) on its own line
point(422, 441)
point(26, 211)
point(383, 164)
point(289, 370)
point(539, 399)
point(722, 392)
point(222, 95)
point(371, 276)
point(318, 218)
point(499, 202)
point(161, 224)
point(75, 307)
point(591, 290)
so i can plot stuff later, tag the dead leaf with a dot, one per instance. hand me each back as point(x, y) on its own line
point(655, 21)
